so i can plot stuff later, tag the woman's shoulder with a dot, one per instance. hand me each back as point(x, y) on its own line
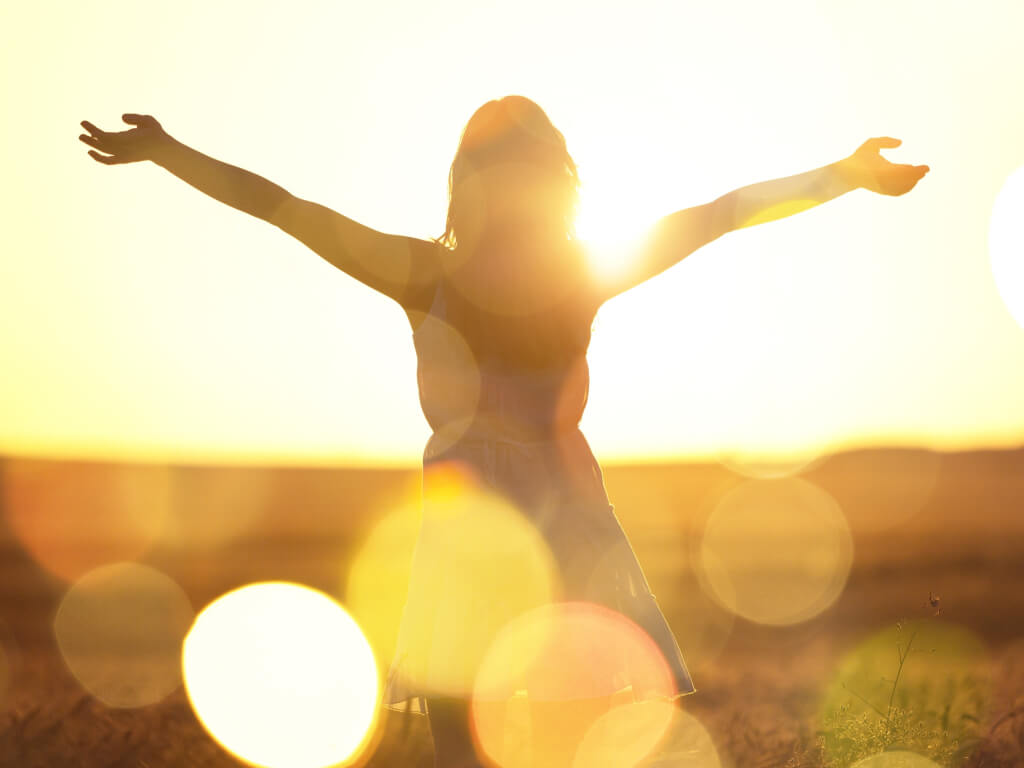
point(425, 272)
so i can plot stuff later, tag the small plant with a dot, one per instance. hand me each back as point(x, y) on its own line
point(935, 713)
point(888, 715)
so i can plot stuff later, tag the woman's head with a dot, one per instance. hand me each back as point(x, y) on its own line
point(518, 274)
point(511, 173)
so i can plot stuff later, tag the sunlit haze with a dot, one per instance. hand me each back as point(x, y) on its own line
point(140, 319)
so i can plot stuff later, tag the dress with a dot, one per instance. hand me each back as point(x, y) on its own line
point(519, 431)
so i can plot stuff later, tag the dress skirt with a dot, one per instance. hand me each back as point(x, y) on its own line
point(452, 612)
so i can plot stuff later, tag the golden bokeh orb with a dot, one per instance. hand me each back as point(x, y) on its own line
point(119, 629)
point(776, 551)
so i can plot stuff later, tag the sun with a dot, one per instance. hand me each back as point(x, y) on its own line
point(612, 227)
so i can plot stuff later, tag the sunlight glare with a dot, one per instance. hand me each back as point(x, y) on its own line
point(612, 232)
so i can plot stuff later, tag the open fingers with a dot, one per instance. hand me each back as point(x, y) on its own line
point(915, 171)
point(907, 179)
point(92, 128)
point(884, 142)
point(106, 159)
point(92, 141)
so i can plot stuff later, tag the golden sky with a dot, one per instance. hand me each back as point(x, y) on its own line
point(142, 320)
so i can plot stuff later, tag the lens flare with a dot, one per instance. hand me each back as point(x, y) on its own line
point(616, 231)
point(511, 231)
point(575, 662)
point(281, 676)
point(778, 211)
point(75, 516)
point(453, 385)
point(686, 744)
point(211, 506)
point(707, 626)
point(909, 478)
point(378, 578)
point(1006, 244)
point(478, 563)
point(623, 735)
point(930, 676)
point(119, 629)
point(776, 551)
point(896, 759)
point(767, 467)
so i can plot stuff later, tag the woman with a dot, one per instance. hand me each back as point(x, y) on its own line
point(501, 307)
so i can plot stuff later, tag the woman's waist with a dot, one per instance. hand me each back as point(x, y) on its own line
point(557, 456)
point(486, 427)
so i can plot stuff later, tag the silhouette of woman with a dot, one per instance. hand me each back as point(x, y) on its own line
point(501, 307)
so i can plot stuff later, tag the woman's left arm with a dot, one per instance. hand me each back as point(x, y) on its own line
point(676, 236)
point(778, 198)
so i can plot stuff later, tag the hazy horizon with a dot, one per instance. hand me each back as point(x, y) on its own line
point(139, 318)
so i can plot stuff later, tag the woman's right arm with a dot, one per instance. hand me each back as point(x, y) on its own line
point(229, 184)
point(400, 267)
point(679, 234)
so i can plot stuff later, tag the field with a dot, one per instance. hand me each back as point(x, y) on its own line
point(938, 542)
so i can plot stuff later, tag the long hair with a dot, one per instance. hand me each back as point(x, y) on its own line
point(517, 286)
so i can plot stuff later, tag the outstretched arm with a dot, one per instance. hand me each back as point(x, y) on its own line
point(679, 234)
point(397, 266)
point(229, 184)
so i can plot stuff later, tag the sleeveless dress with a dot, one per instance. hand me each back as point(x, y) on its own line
point(519, 431)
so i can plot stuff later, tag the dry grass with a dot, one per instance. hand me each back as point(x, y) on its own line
point(760, 688)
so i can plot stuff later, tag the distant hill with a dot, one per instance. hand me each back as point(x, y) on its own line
point(874, 487)
point(948, 522)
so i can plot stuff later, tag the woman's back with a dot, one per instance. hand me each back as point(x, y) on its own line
point(517, 426)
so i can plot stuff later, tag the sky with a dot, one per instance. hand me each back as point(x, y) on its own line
point(141, 320)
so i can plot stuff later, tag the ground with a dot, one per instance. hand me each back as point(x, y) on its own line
point(936, 537)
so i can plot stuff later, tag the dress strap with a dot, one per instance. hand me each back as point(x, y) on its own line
point(438, 302)
point(436, 307)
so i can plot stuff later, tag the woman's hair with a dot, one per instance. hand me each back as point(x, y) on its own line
point(511, 129)
point(551, 323)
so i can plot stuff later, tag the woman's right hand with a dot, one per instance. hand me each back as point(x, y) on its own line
point(140, 143)
point(868, 169)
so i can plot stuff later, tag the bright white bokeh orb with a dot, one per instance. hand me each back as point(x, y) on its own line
point(280, 675)
point(1006, 244)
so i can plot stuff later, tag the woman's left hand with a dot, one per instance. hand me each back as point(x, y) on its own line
point(867, 168)
point(139, 143)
